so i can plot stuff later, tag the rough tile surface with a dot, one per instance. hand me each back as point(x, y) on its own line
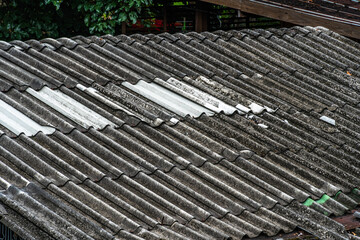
point(239, 130)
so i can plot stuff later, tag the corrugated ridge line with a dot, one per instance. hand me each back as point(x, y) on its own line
point(290, 229)
point(155, 121)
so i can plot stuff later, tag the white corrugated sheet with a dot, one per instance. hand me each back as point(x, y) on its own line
point(328, 120)
point(196, 95)
point(71, 108)
point(19, 123)
point(168, 99)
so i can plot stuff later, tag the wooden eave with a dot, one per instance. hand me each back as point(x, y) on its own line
point(296, 16)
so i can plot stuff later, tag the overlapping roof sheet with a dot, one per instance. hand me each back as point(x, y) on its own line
point(186, 136)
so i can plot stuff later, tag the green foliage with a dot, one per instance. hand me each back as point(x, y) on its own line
point(103, 16)
point(24, 19)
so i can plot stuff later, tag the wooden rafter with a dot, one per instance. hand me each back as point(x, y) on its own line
point(296, 16)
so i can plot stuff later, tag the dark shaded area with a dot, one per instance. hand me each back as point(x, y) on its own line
point(174, 16)
point(7, 234)
point(22, 20)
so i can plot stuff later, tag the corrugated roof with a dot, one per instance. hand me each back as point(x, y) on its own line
point(19, 123)
point(70, 108)
point(168, 99)
point(143, 166)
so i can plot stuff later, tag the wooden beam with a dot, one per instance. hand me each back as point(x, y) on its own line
point(201, 17)
point(295, 16)
point(201, 21)
point(123, 27)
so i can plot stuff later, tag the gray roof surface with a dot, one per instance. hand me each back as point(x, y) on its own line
point(239, 129)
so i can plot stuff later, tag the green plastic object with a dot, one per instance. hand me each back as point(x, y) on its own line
point(308, 202)
point(322, 200)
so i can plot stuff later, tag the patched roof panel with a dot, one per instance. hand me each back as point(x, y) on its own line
point(199, 136)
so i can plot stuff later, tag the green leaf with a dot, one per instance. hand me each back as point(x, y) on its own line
point(133, 17)
point(87, 7)
point(122, 17)
point(110, 6)
point(86, 20)
point(79, 7)
point(53, 18)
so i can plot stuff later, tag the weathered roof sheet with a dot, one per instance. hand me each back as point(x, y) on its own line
point(152, 171)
